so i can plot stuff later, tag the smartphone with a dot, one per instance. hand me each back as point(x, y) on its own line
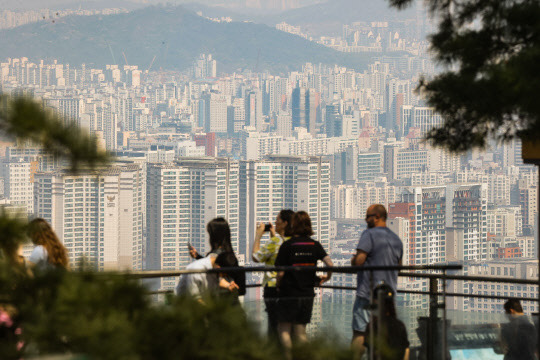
point(189, 247)
point(267, 227)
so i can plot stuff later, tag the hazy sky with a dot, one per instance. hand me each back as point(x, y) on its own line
point(40, 4)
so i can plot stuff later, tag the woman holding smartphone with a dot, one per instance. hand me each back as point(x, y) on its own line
point(267, 254)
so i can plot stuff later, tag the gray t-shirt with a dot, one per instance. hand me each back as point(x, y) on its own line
point(383, 248)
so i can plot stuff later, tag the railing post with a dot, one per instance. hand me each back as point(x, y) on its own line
point(371, 327)
point(444, 319)
point(432, 321)
point(381, 310)
point(538, 265)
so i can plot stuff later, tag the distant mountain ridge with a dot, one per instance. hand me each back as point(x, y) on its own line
point(324, 18)
point(174, 35)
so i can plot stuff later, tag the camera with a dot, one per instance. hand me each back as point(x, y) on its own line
point(267, 227)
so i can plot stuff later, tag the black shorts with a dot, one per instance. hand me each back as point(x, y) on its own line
point(295, 310)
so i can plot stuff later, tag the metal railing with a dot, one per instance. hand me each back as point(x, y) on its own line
point(433, 321)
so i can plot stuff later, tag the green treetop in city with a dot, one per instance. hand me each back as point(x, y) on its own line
point(488, 89)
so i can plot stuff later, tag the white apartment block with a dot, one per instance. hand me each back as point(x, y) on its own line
point(256, 145)
point(428, 179)
point(505, 221)
point(352, 201)
point(410, 161)
point(188, 148)
point(344, 202)
point(374, 192)
point(46, 161)
point(507, 268)
point(215, 112)
point(304, 146)
point(284, 125)
point(443, 160)
point(402, 163)
point(18, 176)
point(99, 216)
point(402, 228)
point(420, 117)
point(448, 223)
point(499, 185)
point(528, 246)
point(339, 144)
point(182, 197)
point(528, 197)
point(284, 182)
point(466, 221)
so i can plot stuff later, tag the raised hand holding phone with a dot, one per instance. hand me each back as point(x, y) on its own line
point(192, 251)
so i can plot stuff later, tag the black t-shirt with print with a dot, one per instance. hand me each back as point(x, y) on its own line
point(299, 251)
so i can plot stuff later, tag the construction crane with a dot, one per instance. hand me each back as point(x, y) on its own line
point(151, 63)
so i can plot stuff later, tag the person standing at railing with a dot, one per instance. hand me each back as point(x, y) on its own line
point(267, 254)
point(378, 246)
point(200, 285)
point(519, 336)
point(219, 234)
point(219, 241)
point(295, 288)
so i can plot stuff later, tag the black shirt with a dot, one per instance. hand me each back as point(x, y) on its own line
point(392, 341)
point(299, 251)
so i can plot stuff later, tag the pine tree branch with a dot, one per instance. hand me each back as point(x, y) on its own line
point(23, 118)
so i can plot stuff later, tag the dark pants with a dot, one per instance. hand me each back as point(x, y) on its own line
point(270, 300)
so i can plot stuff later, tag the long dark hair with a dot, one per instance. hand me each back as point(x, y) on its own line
point(220, 238)
point(220, 235)
point(388, 300)
point(42, 234)
point(287, 215)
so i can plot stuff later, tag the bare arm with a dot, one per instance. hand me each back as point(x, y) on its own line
point(257, 243)
point(359, 259)
point(328, 262)
point(224, 284)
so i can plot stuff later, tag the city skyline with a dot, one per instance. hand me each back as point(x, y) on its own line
point(324, 138)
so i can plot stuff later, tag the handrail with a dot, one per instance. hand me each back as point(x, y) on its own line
point(356, 269)
point(414, 292)
point(334, 269)
point(472, 278)
point(340, 269)
point(420, 292)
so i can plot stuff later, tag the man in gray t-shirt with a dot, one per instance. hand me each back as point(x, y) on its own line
point(378, 246)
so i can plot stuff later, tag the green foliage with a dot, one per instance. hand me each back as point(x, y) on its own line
point(188, 329)
point(24, 119)
point(490, 50)
point(322, 348)
point(81, 312)
point(12, 233)
point(110, 316)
